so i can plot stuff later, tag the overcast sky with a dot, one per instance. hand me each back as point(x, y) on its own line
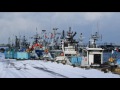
point(25, 23)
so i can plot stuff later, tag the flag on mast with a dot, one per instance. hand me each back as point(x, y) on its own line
point(52, 35)
point(45, 35)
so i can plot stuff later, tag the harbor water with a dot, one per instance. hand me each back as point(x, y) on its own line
point(107, 55)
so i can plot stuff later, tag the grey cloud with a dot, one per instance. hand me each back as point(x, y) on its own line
point(86, 22)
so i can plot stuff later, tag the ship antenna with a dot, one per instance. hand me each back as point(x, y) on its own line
point(97, 27)
point(36, 30)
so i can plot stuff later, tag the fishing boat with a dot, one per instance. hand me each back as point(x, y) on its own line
point(36, 48)
point(92, 55)
point(54, 46)
point(69, 49)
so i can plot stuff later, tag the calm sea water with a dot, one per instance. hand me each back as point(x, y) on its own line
point(107, 55)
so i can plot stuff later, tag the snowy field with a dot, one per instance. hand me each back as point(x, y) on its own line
point(42, 69)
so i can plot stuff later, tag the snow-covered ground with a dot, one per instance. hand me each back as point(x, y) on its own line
point(42, 69)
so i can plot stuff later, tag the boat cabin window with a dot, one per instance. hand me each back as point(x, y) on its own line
point(67, 54)
point(50, 47)
point(70, 55)
point(65, 44)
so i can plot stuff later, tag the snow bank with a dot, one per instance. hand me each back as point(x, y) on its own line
point(42, 69)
